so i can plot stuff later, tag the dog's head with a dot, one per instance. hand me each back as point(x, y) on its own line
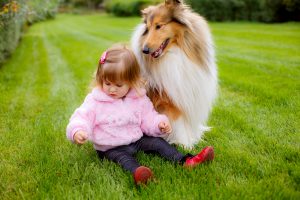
point(163, 27)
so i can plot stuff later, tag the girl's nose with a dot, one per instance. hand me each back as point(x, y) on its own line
point(112, 89)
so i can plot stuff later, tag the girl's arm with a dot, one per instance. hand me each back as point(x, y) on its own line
point(165, 127)
point(151, 120)
point(80, 137)
point(82, 119)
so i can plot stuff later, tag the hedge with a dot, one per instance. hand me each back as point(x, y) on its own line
point(15, 14)
point(250, 10)
point(128, 7)
point(221, 10)
point(91, 4)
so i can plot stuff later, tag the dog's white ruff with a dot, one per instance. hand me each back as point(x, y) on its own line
point(191, 87)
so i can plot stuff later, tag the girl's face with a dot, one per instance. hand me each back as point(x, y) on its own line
point(115, 90)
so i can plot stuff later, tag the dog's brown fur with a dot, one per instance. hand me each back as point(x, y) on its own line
point(163, 104)
point(181, 32)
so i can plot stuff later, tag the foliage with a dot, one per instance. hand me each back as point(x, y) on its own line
point(127, 8)
point(83, 3)
point(13, 16)
point(39, 10)
point(281, 10)
point(221, 10)
point(251, 10)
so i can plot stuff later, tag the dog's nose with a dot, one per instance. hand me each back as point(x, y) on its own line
point(146, 50)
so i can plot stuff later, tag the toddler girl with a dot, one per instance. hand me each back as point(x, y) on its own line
point(119, 119)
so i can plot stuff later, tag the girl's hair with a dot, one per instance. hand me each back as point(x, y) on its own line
point(119, 64)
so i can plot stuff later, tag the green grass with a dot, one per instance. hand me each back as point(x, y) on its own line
point(256, 117)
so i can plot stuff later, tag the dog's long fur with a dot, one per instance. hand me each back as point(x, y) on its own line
point(182, 80)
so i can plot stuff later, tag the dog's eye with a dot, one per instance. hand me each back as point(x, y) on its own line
point(157, 26)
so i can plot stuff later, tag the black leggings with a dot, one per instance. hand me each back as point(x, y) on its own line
point(123, 155)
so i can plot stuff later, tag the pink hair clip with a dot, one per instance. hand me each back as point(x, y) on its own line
point(103, 57)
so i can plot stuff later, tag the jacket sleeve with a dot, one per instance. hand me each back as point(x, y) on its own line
point(151, 119)
point(82, 119)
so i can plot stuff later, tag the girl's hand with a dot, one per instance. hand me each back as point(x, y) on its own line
point(165, 127)
point(80, 137)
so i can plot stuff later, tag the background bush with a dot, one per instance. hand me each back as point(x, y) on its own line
point(128, 7)
point(221, 10)
point(39, 10)
point(13, 16)
point(91, 4)
point(250, 10)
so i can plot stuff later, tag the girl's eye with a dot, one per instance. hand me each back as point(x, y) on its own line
point(118, 85)
point(107, 83)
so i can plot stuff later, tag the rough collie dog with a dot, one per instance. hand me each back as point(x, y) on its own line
point(175, 50)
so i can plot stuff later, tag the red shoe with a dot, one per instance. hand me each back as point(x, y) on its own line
point(142, 175)
point(207, 154)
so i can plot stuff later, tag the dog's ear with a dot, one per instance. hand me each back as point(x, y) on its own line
point(173, 3)
point(145, 12)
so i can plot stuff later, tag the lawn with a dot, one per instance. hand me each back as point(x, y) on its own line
point(255, 120)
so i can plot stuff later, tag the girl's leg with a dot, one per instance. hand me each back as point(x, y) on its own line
point(160, 146)
point(122, 155)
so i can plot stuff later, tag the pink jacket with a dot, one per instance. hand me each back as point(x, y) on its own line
point(114, 122)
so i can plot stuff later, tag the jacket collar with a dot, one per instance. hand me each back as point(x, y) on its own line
point(99, 95)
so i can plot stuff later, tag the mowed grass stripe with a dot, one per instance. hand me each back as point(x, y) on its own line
point(80, 49)
point(107, 28)
point(27, 99)
point(63, 80)
point(256, 50)
point(247, 54)
point(52, 123)
point(250, 70)
point(266, 32)
point(43, 138)
point(259, 98)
